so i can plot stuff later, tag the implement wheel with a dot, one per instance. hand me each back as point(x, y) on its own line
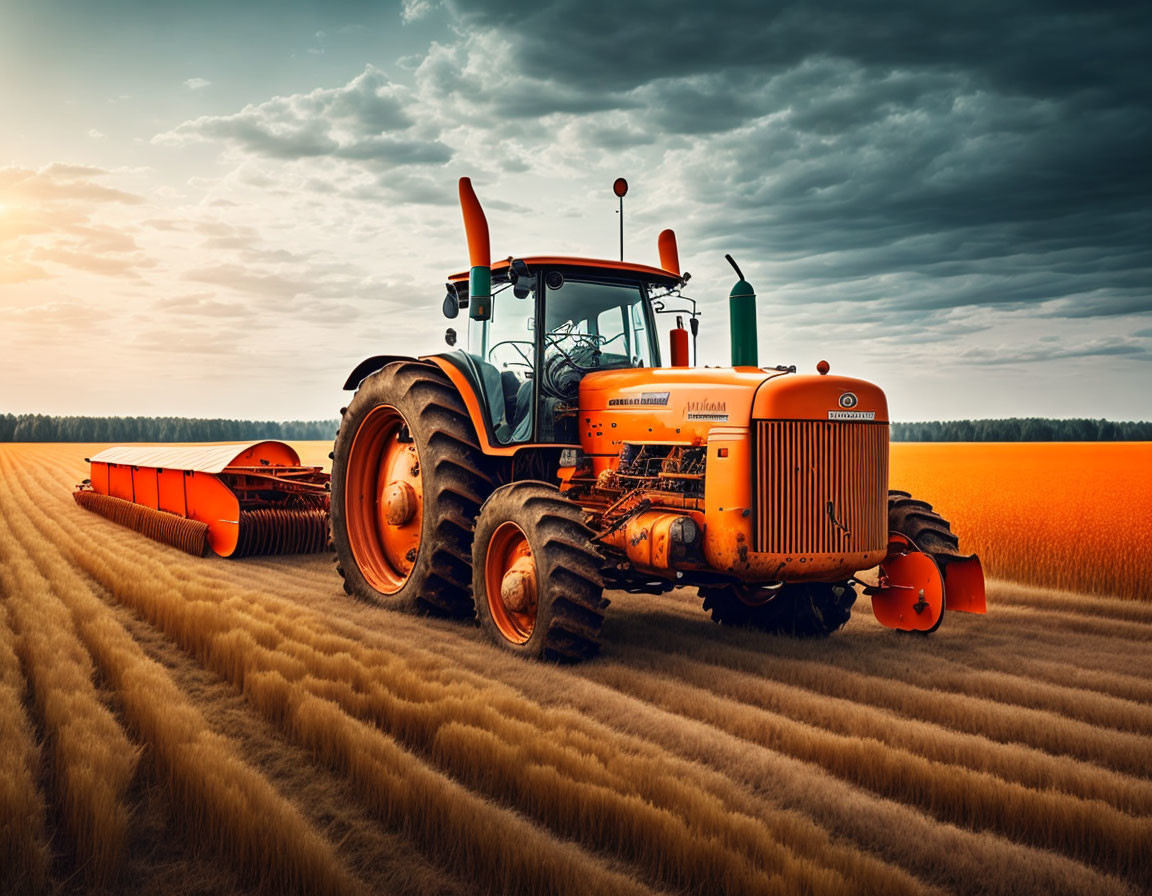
point(407, 482)
point(535, 575)
point(802, 610)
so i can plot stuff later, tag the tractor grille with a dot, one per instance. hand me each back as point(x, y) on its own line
point(801, 466)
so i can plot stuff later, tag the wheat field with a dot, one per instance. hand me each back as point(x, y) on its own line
point(183, 725)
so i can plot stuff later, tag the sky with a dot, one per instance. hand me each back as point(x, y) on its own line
point(218, 209)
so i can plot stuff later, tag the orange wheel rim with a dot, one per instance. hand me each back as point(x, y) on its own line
point(384, 500)
point(510, 583)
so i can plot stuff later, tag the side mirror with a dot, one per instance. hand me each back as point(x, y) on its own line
point(451, 305)
point(694, 324)
point(450, 336)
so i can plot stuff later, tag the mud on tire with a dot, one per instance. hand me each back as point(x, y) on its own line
point(569, 607)
point(453, 480)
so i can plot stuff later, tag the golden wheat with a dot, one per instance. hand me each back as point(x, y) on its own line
point(23, 837)
point(1067, 515)
point(93, 761)
point(228, 805)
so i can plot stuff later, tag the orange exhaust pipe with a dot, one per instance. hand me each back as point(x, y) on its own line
point(669, 254)
point(479, 253)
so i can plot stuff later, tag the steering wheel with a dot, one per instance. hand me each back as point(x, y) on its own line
point(516, 344)
point(584, 341)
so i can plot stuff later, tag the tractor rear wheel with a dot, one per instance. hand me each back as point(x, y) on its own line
point(408, 479)
point(535, 574)
point(801, 609)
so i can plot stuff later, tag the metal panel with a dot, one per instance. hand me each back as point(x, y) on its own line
point(811, 475)
point(201, 458)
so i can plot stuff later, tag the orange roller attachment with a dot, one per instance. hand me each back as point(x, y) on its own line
point(238, 500)
point(910, 593)
point(190, 536)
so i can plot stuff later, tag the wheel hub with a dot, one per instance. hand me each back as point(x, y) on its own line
point(518, 587)
point(399, 501)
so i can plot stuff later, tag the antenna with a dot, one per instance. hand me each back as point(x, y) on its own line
point(620, 188)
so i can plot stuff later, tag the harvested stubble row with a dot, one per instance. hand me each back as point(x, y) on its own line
point(92, 760)
point(866, 679)
point(23, 837)
point(226, 804)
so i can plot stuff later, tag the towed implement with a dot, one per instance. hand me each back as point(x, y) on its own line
point(237, 500)
point(516, 478)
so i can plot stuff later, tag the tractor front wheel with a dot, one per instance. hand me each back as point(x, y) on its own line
point(535, 575)
point(802, 609)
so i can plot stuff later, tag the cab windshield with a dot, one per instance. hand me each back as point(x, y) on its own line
point(530, 374)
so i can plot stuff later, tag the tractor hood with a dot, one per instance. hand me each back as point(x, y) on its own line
point(677, 404)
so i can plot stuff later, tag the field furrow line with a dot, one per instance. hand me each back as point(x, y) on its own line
point(1043, 730)
point(230, 807)
point(23, 834)
point(1089, 830)
point(1047, 599)
point(328, 799)
point(1011, 762)
point(93, 762)
point(903, 835)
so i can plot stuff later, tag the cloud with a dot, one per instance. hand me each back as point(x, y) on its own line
point(368, 121)
point(51, 219)
point(197, 83)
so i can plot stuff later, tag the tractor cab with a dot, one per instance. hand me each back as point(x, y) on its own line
point(548, 323)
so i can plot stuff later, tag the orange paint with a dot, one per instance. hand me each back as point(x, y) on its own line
point(1072, 515)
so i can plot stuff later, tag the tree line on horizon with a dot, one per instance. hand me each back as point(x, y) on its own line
point(50, 428)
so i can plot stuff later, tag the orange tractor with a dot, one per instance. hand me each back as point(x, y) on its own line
point(556, 456)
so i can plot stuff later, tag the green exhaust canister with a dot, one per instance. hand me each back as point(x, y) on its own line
point(742, 320)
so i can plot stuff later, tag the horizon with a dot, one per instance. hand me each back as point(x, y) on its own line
point(217, 212)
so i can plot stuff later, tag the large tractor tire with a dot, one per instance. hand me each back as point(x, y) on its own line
point(928, 533)
point(536, 575)
point(408, 479)
point(801, 610)
point(927, 529)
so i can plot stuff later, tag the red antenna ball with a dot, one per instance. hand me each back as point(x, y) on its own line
point(620, 187)
point(823, 367)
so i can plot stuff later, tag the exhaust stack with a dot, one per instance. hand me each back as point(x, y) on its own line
point(669, 256)
point(479, 253)
point(742, 321)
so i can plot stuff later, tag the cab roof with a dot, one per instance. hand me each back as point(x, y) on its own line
point(643, 271)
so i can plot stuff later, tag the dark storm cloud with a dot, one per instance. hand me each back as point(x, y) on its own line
point(1038, 47)
point(1001, 147)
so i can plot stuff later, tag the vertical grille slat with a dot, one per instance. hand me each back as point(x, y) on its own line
point(801, 465)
